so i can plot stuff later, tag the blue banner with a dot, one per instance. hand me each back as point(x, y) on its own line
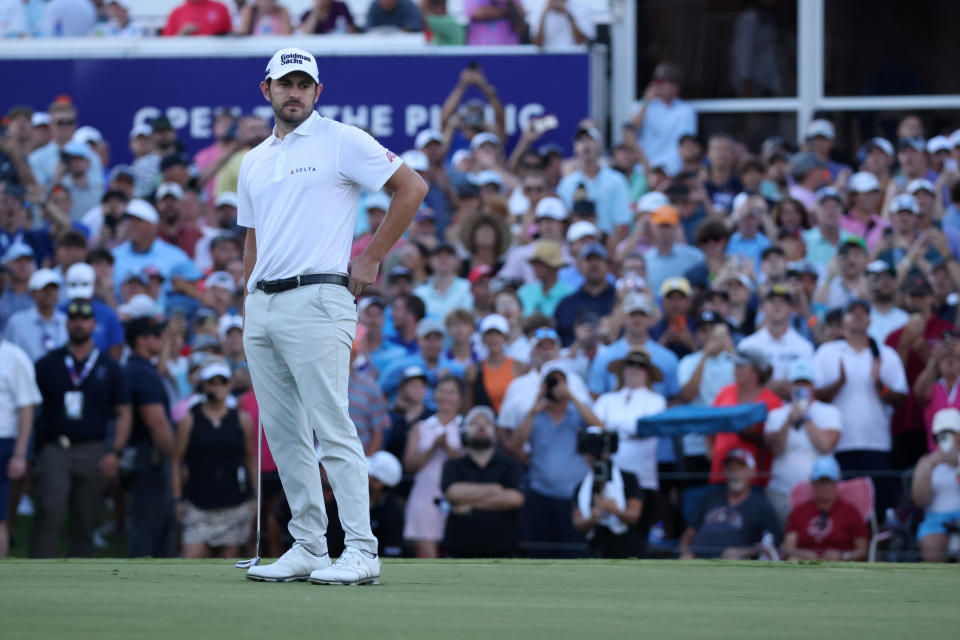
point(393, 97)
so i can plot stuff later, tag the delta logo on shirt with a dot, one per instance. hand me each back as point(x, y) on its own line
point(303, 170)
point(391, 157)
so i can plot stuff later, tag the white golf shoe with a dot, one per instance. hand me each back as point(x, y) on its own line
point(352, 568)
point(296, 564)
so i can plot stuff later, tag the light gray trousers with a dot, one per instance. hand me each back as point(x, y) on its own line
point(298, 348)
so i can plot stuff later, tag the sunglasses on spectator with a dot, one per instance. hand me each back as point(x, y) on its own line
point(65, 123)
point(79, 310)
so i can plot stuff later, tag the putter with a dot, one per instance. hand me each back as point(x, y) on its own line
point(255, 560)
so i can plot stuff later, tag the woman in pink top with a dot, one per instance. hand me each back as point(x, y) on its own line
point(938, 384)
point(264, 18)
point(492, 21)
point(861, 218)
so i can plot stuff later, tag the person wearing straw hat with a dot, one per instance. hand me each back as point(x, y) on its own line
point(215, 446)
point(620, 409)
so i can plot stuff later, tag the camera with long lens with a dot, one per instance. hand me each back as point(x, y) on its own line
point(600, 445)
point(551, 383)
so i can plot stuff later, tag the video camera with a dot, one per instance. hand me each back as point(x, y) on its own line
point(598, 443)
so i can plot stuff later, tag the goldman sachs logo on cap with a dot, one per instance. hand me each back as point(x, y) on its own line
point(294, 58)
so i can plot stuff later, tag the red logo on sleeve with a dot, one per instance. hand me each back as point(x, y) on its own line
point(391, 156)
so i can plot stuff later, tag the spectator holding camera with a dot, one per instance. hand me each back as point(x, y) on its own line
point(551, 427)
point(609, 500)
point(935, 488)
point(731, 521)
point(483, 489)
point(826, 526)
point(797, 434)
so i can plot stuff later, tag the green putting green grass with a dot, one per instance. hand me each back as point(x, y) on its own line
point(498, 600)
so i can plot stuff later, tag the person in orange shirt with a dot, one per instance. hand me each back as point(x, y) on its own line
point(751, 372)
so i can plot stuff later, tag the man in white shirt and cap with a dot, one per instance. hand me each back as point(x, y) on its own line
point(297, 195)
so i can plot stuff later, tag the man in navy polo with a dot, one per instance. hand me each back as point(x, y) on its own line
point(596, 294)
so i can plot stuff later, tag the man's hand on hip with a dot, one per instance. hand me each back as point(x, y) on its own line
point(363, 272)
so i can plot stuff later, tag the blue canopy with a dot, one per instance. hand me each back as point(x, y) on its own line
point(682, 420)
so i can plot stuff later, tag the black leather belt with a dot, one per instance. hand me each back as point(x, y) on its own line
point(285, 284)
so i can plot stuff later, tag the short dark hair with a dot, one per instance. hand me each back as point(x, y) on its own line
point(72, 238)
point(414, 305)
point(451, 378)
point(99, 255)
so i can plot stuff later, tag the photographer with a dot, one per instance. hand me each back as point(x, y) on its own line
point(556, 470)
point(609, 500)
point(483, 489)
point(797, 434)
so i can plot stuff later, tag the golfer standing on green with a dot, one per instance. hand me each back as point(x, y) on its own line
point(298, 194)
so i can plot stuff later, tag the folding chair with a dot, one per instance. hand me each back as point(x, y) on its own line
point(858, 492)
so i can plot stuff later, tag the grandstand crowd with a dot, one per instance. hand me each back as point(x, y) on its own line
point(770, 333)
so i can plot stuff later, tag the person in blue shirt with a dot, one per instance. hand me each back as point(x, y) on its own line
point(430, 337)
point(640, 312)
point(404, 315)
point(596, 294)
point(545, 293)
point(666, 258)
point(79, 284)
point(15, 225)
point(144, 249)
point(379, 351)
point(747, 241)
point(606, 187)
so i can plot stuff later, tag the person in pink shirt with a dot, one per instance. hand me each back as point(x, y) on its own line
point(493, 21)
point(939, 383)
point(198, 18)
point(223, 121)
point(862, 219)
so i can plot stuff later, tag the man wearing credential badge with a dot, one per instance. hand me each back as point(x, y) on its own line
point(83, 390)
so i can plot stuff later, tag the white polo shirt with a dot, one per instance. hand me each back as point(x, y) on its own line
point(796, 462)
point(780, 352)
point(18, 387)
point(301, 194)
point(619, 411)
point(865, 419)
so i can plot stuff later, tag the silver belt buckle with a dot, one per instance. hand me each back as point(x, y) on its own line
point(64, 442)
point(298, 282)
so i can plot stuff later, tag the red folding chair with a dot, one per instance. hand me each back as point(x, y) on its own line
point(858, 492)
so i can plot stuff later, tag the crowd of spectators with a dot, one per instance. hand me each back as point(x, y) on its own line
point(550, 23)
point(538, 306)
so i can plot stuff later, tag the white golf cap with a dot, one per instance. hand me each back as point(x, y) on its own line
point(139, 306)
point(483, 138)
point(427, 136)
point(459, 156)
point(142, 209)
point(819, 127)
point(651, 200)
point(292, 59)
point(141, 130)
point(169, 189)
point(416, 160)
point(946, 420)
point(864, 182)
point(227, 322)
point(226, 199)
point(739, 200)
point(80, 281)
point(43, 277)
point(495, 322)
point(378, 200)
point(883, 144)
point(385, 467)
point(551, 208)
point(40, 119)
point(582, 229)
point(86, 135)
point(430, 325)
point(553, 366)
point(485, 177)
point(213, 370)
point(954, 137)
point(904, 202)
point(220, 279)
point(921, 184)
point(939, 143)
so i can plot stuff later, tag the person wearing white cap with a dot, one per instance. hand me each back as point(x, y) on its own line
point(219, 289)
point(386, 505)
point(819, 138)
point(45, 160)
point(43, 327)
point(146, 160)
point(300, 307)
point(550, 215)
point(442, 195)
point(905, 214)
point(935, 488)
point(797, 434)
point(215, 445)
point(606, 187)
point(18, 260)
point(85, 192)
point(430, 357)
point(144, 249)
point(489, 379)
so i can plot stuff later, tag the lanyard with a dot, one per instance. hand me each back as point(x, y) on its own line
point(76, 378)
